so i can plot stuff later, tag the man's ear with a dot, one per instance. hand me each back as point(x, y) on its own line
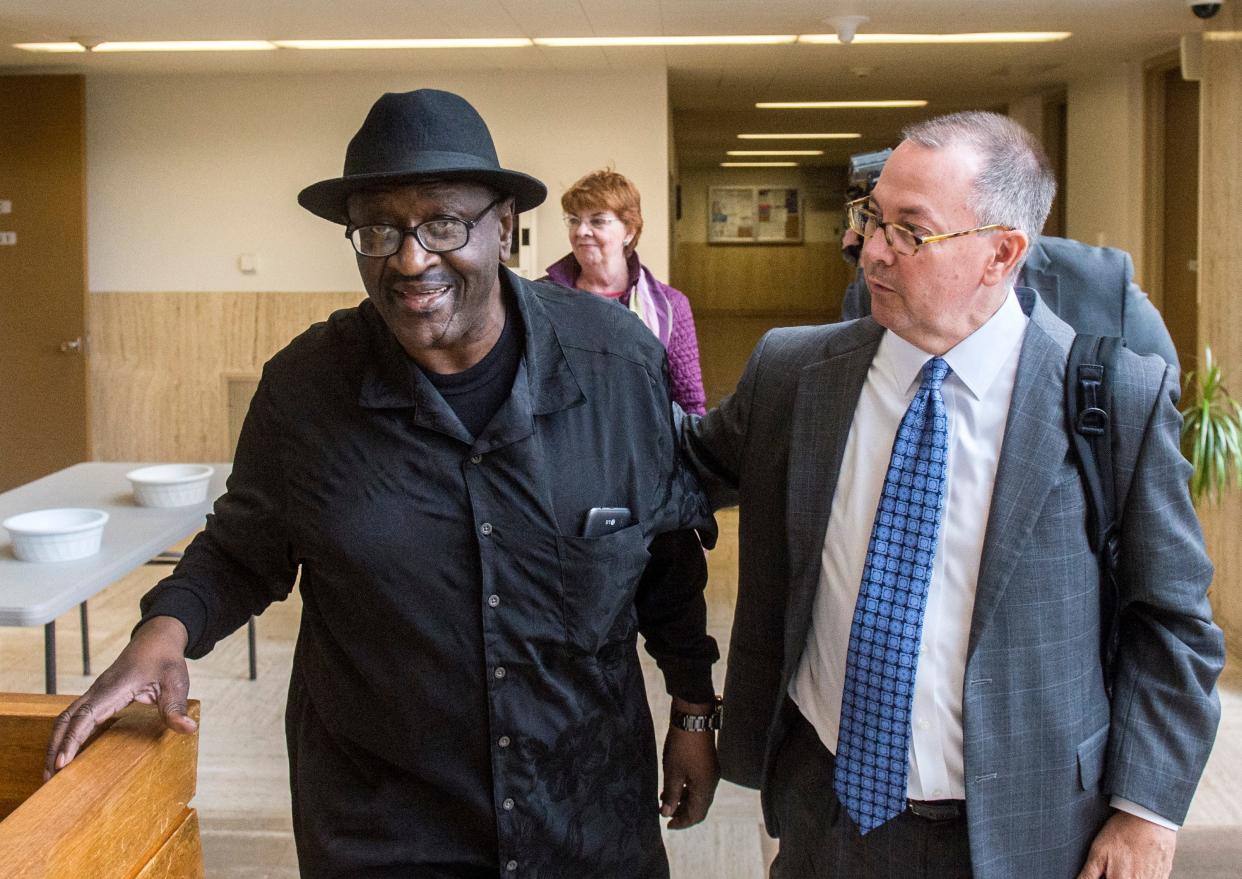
point(507, 219)
point(1011, 247)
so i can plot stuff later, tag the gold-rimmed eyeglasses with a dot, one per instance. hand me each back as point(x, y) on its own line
point(902, 239)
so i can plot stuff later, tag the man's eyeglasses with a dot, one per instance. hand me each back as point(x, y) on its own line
point(598, 222)
point(902, 239)
point(437, 235)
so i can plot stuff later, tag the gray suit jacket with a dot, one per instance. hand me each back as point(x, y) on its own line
point(1044, 745)
point(1090, 288)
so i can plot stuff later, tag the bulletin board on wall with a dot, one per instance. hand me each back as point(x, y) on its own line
point(754, 215)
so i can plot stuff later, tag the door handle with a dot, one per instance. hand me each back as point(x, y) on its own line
point(71, 346)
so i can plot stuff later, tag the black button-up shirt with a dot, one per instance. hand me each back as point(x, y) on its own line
point(466, 674)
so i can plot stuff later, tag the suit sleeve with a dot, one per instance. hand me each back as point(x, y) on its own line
point(713, 445)
point(1142, 324)
point(1165, 706)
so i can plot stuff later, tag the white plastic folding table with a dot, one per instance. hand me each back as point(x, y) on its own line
point(35, 594)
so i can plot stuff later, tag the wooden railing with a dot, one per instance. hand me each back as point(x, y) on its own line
point(120, 810)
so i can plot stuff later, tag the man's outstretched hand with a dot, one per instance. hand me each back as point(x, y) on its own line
point(151, 669)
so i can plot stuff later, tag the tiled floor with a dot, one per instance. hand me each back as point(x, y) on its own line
point(242, 792)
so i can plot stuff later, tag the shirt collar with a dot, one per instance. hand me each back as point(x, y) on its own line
point(975, 360)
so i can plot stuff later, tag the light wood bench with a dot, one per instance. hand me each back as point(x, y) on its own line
point(120, 810)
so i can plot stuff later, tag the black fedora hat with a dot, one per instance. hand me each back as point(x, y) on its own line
point(423, 133)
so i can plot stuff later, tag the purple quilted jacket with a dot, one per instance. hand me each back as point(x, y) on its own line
point(677, 333)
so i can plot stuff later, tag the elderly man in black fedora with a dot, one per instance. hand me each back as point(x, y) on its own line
point(476, 478)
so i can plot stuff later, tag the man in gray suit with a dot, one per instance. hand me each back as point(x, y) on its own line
point(915, 678)
point(1090, 288)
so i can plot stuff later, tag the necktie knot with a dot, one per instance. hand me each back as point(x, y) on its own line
point(934, 373)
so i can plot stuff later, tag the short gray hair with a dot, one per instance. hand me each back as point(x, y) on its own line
point(1016, 184)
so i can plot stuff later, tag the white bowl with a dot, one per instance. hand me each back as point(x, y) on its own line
point(170, 485)
point(59, 535)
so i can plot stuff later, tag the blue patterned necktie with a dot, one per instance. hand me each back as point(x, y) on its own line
point(874, 740)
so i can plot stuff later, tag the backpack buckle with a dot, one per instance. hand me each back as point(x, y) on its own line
point(1092, 421)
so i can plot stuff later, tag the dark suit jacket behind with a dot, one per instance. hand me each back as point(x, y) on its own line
point(1090, 288)
point(1044, 747)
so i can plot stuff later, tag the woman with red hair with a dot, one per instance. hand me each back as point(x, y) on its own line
point(604, 217)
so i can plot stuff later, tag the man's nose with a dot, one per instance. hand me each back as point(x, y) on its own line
point(411, 257)
point(876, 248)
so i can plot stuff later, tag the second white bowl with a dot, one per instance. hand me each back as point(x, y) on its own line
point(170, 485)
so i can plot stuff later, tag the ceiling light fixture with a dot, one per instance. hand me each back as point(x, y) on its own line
point(802, 135)
point(186, 46)
point(50, 47)
point(717, 40)
point(775, 152)
point(480, 43)
point(758, 164)
point(837, 105)
point(936, 39)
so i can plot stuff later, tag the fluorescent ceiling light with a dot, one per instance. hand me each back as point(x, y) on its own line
point(50, 47)
point(718, 40)
point(758, 164)
point(802, 135)
point(836, 105)
point(187, 46)
point(907, 39)
point(1222, 36)
point(482, 43)
point(775, 152)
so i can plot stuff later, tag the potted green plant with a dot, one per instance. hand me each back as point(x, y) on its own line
point(1211, 432)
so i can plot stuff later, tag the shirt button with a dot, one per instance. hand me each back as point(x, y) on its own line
point(511, 866)
point(485, 529)
point(500, 672)
point(476, 459)
point(493, 600)
point(503, 741)
point(507, 805)
point(923, 724)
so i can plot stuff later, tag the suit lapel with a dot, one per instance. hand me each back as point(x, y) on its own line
point(1031, 459)
point(823, 411)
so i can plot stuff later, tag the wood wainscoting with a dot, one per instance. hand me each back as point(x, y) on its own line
point(162, 365)
point(762, 279)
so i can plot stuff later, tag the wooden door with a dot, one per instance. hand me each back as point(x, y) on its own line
point(1180, 220)
point(44, 421)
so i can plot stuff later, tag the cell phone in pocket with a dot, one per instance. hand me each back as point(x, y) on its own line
point(606, 520)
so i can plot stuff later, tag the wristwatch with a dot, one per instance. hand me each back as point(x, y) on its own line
point(700, 722)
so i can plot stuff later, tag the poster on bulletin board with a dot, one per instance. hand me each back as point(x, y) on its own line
point(754, 215)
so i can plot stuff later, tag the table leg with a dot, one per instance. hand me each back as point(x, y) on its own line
point(49, 657)
point(254, 671)
point(86, 640)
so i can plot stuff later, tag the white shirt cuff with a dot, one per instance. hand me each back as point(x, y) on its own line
point(1125, 805)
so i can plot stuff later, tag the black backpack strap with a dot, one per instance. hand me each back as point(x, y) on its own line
point(1089, 408)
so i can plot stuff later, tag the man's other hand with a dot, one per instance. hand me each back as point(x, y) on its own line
point(151, 669)
point(1130, 847)
point(691, 772)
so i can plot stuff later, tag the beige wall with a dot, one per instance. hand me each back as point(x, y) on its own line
point(1220, 278)
point(188, 172)
point(185, 173)
point(1104, 161)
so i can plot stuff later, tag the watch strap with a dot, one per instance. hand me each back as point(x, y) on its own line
point(699, 722)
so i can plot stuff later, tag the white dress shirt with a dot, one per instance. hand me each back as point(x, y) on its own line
point(976, 394)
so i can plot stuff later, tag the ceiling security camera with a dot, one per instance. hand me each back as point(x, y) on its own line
point(1204, 10)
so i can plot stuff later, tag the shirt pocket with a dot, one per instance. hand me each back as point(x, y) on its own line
point(599, 579)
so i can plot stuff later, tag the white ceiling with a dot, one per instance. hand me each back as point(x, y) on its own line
point(712, 89)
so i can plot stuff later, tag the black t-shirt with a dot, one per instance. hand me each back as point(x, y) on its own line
point(476, 394)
